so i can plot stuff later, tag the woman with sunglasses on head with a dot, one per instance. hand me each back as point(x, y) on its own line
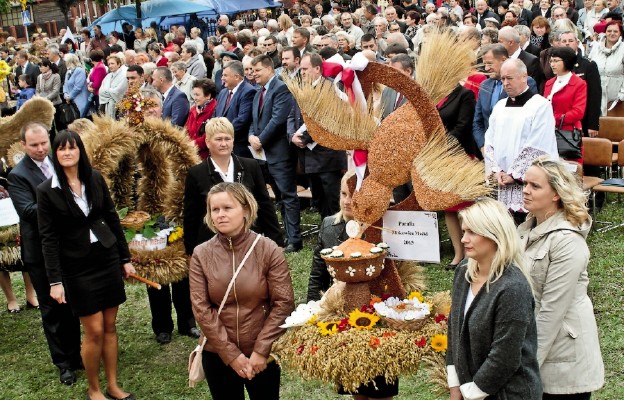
point(554, 237)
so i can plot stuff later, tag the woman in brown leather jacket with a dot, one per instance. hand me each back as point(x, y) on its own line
point(239, 339)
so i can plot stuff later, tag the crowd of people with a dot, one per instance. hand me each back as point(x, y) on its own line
point(521, 326)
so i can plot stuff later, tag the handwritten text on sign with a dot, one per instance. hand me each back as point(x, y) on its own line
point(412, 235)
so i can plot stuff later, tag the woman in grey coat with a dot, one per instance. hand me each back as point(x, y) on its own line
point(554, 235)
point(492, 350)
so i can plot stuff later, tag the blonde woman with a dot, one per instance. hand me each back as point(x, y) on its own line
point(241, 335)
point(286, 28)
point(554, 236)
point(75, 86)
point(492, 349)
point(141, 41)
point(113, 86)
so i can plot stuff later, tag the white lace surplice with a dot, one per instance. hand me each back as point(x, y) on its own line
point(517, 136)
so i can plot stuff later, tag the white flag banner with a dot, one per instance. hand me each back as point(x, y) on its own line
point(68, 35)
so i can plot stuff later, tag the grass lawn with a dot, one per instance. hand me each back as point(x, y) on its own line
point(157, 372)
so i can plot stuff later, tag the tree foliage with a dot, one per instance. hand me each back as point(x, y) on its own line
point(64, 6)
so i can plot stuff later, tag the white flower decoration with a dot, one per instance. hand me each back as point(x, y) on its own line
point(331, 271)
point(351, 271)
point(370, 270)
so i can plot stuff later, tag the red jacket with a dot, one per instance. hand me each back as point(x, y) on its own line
point(194, 122)
point(570, 101)
point(163, 62)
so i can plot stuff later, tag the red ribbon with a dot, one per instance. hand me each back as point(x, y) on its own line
point(331, 70)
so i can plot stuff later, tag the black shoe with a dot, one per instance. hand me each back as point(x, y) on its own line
point(163, 338)
point(291, 248)
point(128, 397)
point(193, 332)
point(451, 267)
point(30, 306)
point(67, 377)
point(313, 209)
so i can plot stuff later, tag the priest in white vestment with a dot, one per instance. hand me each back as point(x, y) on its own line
point(522, 128)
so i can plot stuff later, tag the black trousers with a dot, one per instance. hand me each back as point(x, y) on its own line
point(325, 188)
point(60, 326)
point(575, 396)
point(160, 307)
point(225, 384)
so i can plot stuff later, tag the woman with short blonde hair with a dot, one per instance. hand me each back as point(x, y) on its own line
point(568, 350)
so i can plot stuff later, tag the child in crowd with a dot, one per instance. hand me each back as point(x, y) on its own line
point(26, 90)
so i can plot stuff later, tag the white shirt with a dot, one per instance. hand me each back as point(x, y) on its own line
point(516, 54)
point(559, 84)
point(167, 93)
point(81, 202)
point(229, 176)
point(47, 162)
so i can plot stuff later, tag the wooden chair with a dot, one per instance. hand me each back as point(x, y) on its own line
point(612, 128)
point(598, 152)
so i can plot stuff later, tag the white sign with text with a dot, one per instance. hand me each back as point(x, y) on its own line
point(412, 235)
point(8, 215)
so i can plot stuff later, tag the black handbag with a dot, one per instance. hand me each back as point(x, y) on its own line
point(568, 142)
point(69, 112)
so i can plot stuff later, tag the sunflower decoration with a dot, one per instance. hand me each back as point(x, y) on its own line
point(362, 320)
point(133, 105)
point(177, 234)
point(416, 295)
point(327, 328)
point(439, 343)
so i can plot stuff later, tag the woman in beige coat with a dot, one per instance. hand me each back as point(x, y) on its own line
point(554, 238)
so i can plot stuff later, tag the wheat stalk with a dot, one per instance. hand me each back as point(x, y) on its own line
point(443, 165)
point(442, 63)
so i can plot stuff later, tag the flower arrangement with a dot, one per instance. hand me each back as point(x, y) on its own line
point(355, 349)
point(133, 105)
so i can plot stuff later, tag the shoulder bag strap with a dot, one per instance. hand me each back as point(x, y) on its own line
point(227, 292)
point(229, 288)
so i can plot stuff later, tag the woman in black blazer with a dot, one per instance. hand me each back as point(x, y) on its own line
point(457, 112)
point(86, 255)
point(223, 166)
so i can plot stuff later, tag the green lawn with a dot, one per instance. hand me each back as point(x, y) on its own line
point(156, 372)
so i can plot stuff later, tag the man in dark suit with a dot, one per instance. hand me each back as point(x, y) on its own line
point(588, 71)
point(234, 103)
point(323, 166)
point(60, 326)
point(24, 67)
point(271, 106)
point(525, 40)
point(54, 55)
point(175, 104)
point(178, 292)
point(509, 37)
point(482, 12)
point(491, 91)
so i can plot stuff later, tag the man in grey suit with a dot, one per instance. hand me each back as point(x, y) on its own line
point(60, 326)
point(270, 109)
